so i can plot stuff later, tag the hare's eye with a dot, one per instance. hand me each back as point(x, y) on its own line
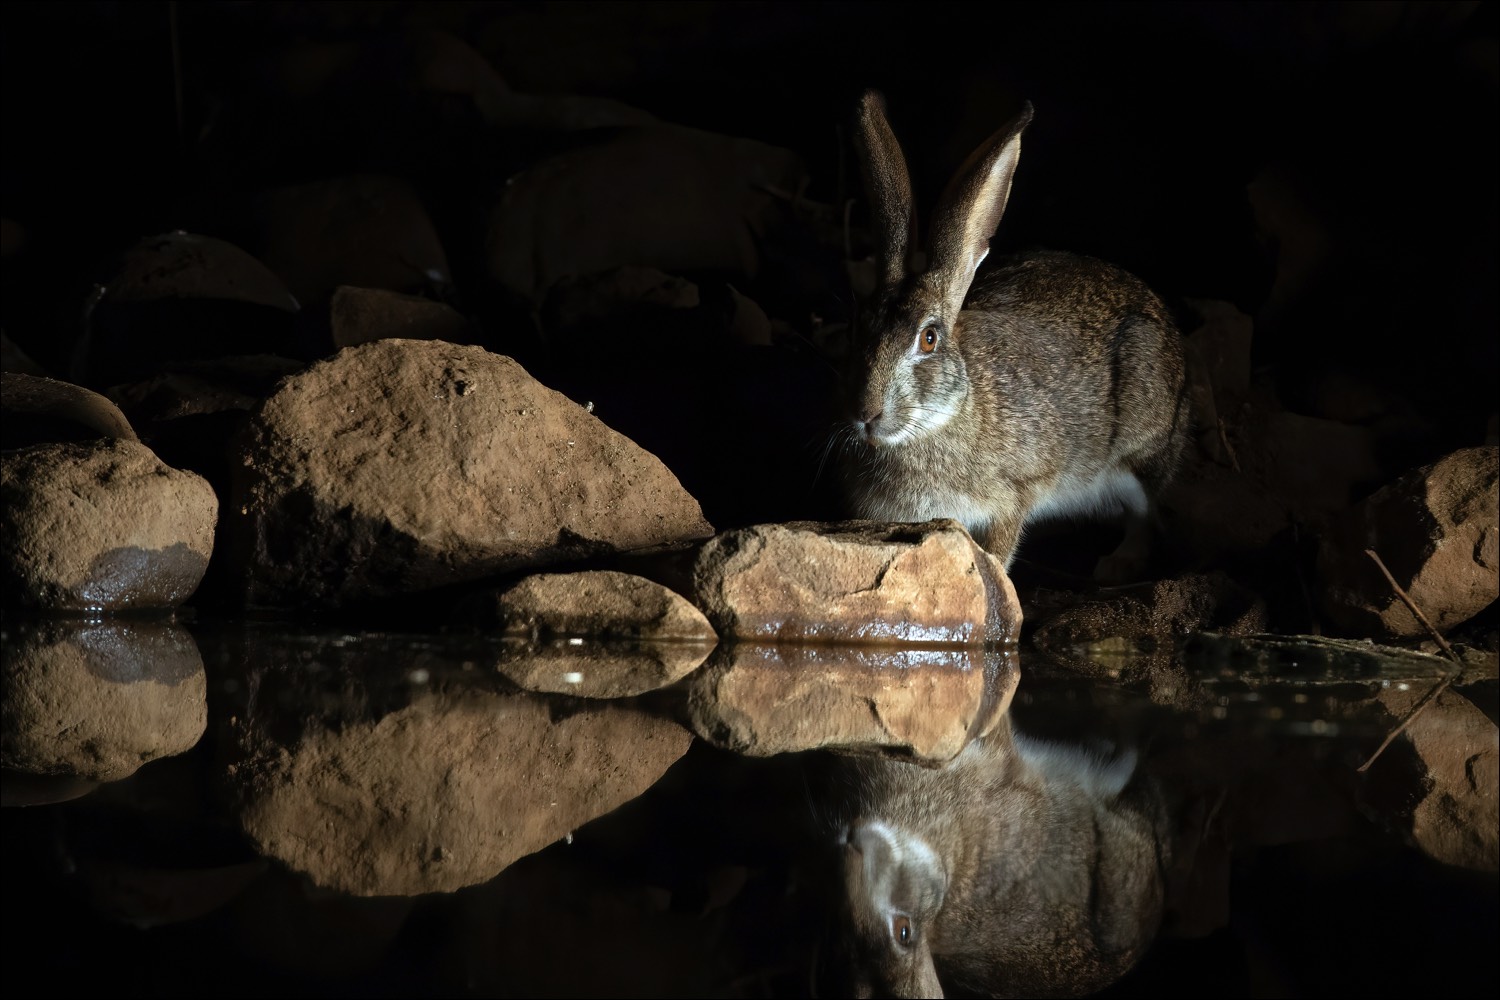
point(901, 928)
point(927, 339)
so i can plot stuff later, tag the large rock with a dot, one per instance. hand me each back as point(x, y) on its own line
point(104, 526)
point(855, 581)
point(1437, 530)
point(443, 792)
point(922, 704)
point(96, 700)
point(43, 410)
point(403, 465)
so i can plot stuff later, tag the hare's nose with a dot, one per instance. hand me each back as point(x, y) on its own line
point(870, 418)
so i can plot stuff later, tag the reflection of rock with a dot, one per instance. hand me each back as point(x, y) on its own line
point(926, 703)
point(855, 581)
point(360, 315)
point(1450, 808)
point(600, 603)
point(402, 465)
point(441, 792)
point(600, 669)
point(96, 700)
point(102, 526)
point(1437, 530)
point(45, 411)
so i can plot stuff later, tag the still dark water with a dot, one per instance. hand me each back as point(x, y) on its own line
point(332, 813)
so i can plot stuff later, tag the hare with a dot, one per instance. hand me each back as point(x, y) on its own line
point(1051, 385)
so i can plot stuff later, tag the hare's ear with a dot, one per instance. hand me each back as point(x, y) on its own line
point(970, 209)
point(888, 186)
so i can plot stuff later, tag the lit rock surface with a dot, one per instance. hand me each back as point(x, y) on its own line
point(1438, 531)
point(923, 703)
point(855, 581)
point(101, 526)
point(402, 465)
point(443, 792)
point(96, 700)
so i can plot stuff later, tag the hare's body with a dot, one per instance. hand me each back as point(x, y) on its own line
point(1050, 385)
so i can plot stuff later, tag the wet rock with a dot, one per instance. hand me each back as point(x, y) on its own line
point(1446, 801)
point(43, 410)
point(599, 668)
point(443, 792)
point(104, 526)
point(400, 465)
point(1438, 531)
point(1157, 611)
point(364, 230)
point(660, 196)
point(926, 704)
point(96, 700)
point(854, 581)
point(598, 603)
point(360, 315)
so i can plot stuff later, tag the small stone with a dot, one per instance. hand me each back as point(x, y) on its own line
point(360, 315)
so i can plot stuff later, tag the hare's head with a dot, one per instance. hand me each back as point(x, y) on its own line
point(908, 378)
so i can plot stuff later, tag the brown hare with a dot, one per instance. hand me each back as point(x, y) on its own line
point(1052, 384)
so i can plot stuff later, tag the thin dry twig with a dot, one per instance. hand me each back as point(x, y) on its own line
point(1234, 460)
point(1437, 688)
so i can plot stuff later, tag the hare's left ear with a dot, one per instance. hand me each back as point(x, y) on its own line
point(889, 187)
point(970, 209)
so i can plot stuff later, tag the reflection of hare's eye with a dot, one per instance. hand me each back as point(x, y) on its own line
point(927, 339)
point(901, 928)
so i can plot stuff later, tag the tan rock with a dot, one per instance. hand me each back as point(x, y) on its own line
point(923, 703)
point(96, 700)
point(360, 315)
point(855, 581)
point(402, 465)
point(1438, 531)
point(103, 526)
point(442, 792)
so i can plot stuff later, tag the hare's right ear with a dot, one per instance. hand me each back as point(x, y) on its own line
point(888, 186)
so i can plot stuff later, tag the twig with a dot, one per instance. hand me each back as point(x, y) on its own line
point(1437, 688)
point(1234, 461)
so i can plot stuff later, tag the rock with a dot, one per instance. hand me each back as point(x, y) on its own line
point(925, 704)
point(589, 299)
point(660, 196)
point(399, 466)
point(855, 581)
point(1437, 530)
point(360, 315)
point(1222, 341)
point(96, 700)
point(1316, 467)
point(44, 411)
point(104, 526)
point(366, 230)
point(14, 359)
point(599, 603)
point(443, 792)
point(180, 265)
point(1446, 801)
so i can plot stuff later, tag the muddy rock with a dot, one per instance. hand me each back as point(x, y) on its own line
point(1437, 530)
point(925, 704)
point(601, 604)
point(360, 315)
point(854, 581)
point(402, 465)
point(1160, 611)
point(1443, 797)
point(366, 230)
point(443, 792)
point(660, 196)
point(43, 410)
point(103, 526)
point(96, 700)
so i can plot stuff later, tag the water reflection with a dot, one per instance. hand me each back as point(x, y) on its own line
point(373, 814)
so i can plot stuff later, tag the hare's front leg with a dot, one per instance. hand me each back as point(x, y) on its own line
point(999, 538)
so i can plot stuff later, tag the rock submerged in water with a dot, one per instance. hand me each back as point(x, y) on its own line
point(1437, 530)
point(102, 526)
point(855, 582)
point(96, 700)
point(399, 465)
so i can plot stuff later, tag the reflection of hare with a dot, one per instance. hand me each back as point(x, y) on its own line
point(1051, 385)
point(1020, 869)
